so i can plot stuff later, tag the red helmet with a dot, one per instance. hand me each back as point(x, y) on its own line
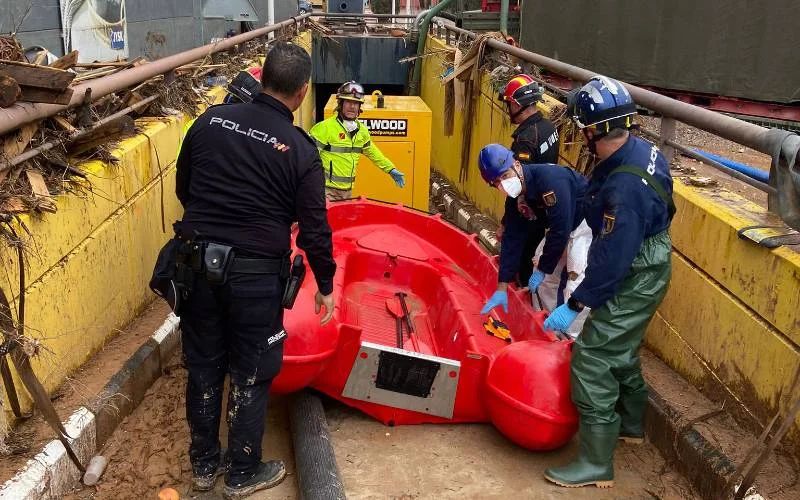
point(522, 90)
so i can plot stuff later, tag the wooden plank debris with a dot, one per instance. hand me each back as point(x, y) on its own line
point(66, 62)
point(9, 91)
point(63, 124)
point(37, 76)
point(44, 201)
point(36, 94)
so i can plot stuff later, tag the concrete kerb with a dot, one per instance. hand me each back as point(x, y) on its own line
point(51, 474)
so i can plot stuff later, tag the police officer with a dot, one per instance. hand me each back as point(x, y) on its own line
point(538, 192)
point(534, 141)
point(244, 175)
point(629, 207)
point(342, 139)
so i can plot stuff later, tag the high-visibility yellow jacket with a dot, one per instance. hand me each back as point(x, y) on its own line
point(186, 128)
point(340, 152)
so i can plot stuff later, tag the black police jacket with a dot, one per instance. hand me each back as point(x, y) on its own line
point(245, 173)
point(535, 140)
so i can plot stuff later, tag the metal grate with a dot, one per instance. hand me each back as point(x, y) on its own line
point(405, 374)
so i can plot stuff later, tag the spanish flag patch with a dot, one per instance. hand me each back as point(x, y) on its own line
point(524, 156)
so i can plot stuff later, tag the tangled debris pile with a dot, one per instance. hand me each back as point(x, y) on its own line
point(42, 159)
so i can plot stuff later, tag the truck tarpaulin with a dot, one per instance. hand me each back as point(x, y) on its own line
point(738, 48)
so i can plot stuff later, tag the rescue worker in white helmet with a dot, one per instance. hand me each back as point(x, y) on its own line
point(342, 139)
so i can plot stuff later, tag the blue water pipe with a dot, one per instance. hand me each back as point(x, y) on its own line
point(747, 170)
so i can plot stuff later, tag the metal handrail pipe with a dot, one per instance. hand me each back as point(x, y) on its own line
point(23, 113)
point(742, 132)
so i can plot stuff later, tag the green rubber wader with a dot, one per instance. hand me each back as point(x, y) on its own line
point(606, 371)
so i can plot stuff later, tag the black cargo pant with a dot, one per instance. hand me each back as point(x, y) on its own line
point(236, 327)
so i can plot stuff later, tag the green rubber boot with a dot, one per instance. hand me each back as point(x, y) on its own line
point(595, 462)
point(631, 409)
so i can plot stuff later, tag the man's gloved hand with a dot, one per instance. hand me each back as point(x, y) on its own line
point(399, 177)
point(560, 319)
point(498, 298)
point(535, 280)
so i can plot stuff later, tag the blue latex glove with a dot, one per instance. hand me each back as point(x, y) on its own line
point(536, 279)
point(560, 319)
point(498, 298)
point(399, 177)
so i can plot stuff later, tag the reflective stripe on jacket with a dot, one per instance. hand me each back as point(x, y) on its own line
point(340, 152)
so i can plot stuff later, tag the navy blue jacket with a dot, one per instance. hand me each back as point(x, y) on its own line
point(622, 211)
point(555, 194)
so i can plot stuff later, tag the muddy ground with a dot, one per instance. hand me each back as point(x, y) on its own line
point(81, 388)
point(149, 449)
point(149, 452)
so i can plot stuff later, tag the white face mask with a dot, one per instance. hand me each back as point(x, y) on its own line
point(350, 125)
point(512, 186)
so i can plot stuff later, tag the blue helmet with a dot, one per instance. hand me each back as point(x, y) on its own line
point(603, 101)
point(493, 161)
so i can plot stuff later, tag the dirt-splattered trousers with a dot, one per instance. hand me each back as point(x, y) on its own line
point(235, 328)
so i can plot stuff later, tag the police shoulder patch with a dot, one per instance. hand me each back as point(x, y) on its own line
point(549, 199)
point(608, 222)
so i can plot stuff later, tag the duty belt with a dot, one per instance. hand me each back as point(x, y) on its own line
point(257, 266)
point(341, 149)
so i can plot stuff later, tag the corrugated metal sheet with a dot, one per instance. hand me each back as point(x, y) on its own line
point(738, 48)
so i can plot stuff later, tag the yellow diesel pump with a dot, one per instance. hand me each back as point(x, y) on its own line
point(402, 131)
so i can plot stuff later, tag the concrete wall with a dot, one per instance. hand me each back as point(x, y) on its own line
point(90, 262)
point(730, 323)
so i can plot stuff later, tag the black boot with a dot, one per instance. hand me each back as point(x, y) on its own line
point(595, 462)
point(204, 480)
point(268, 475)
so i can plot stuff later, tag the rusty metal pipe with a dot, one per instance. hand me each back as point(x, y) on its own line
point(20, 114)
point(747, 134)
point(730, 128)
point(47, 146)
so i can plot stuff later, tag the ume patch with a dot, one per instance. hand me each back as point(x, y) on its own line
point(386, 126)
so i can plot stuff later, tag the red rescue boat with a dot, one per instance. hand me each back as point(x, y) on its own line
point(442, 366)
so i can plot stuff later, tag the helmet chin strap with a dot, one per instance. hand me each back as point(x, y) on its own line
point(514, 116)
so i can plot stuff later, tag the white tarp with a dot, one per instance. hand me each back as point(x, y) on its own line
point(95, 28)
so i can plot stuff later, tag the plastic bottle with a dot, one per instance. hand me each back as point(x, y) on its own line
point(97, 465)
point(213, 81)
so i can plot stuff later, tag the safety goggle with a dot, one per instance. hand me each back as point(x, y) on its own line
point(354, 91)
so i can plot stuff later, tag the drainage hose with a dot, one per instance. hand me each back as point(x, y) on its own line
point(317, 473)
point(752, 172)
